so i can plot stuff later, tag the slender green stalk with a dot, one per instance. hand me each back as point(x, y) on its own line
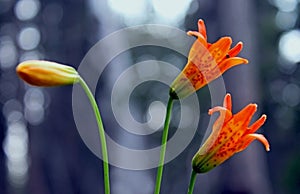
point(192, 182)
point(163, 146)
point(101, 134)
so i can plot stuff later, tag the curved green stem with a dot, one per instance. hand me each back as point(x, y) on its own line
point(163, 146)
point(192, 182)
point(101, 134)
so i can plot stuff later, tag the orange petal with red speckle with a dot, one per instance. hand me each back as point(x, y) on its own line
point(220, 48)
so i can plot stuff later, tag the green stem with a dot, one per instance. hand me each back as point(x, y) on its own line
point(101, 134)
point(163, 146)
point(192, 182)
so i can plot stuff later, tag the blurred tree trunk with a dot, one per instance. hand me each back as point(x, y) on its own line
point(60, 162)
point(246, 172)
point(122, 180)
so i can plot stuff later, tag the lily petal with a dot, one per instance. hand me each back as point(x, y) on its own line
point(206, 62)
point(220, 48)
point(200, 55)
point(231, 62)
point(223, 111)
point(251, 137)
point(236, 49)
point(230, 135)
point(199, 37)
point(225, 116)
point(257, 124)
point(227, 102)
point(244, 117)
point(262, 139)
point(202, 28)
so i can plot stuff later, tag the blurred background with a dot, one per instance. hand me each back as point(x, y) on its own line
point(42, 152)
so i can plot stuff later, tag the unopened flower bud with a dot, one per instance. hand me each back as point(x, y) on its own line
point(46, 73)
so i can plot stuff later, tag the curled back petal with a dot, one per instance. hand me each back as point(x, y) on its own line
point(225, 114)
point(219, 123)
point(199, 37)
point(262, 139)
point(251, 137)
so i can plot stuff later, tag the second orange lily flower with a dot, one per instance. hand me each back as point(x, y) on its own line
point(230, 134)
point(206, 62)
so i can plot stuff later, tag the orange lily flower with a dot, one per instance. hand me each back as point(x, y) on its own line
point(206, 62)
point(46, 73)
point(230, 134)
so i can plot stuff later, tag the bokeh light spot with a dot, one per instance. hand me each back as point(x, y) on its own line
point(286, 20)
point(27, 9)
point(131, 10)
point(289, 46)
point(8, 53)
point(171, 10)
point(15, 146)
point(29, 38)
point(291, 95)
point(286, 5)
point(34, 106)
